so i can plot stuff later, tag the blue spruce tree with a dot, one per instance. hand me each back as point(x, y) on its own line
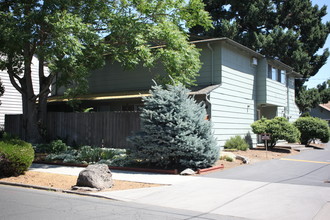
point(174, 132)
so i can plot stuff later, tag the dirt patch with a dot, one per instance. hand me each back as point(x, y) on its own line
point(65, 182)
point(257, 154)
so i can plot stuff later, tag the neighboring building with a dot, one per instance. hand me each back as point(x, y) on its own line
point(11, 101)
point(322, 111)
point(237, 84)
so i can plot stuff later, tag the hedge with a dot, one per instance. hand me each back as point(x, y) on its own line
point(16, 157)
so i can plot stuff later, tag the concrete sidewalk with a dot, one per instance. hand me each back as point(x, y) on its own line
point(239, 198)
point(143, 177)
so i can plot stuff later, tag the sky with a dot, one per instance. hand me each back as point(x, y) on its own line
point(324, 72)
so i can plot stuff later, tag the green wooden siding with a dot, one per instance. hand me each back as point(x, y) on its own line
point(113, 78)
point(293, 110)
point(276, 93)
point(233, 103)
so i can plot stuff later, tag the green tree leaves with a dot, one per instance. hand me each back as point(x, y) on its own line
point(312, 128)
point(72, 37)
point(279, 128)
point(310, 98)
point(291, 31)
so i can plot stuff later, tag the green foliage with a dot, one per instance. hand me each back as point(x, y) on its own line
point(291, 31)
point(73, 37)
point(236, 142)
point(312, 128)
point(226, 158)
point(279, 128)
point(174, 132)
point(324, 90)
point(56, 147)
point(87, 155)
point(308, 99)
point(16, 157)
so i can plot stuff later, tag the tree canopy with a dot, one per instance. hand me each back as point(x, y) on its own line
point(72, 37)
point(310, 98)
point(291, 31)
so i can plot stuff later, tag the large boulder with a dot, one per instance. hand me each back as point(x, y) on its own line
point(96, 176)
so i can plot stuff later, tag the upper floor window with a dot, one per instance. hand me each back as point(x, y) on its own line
point(283, 77)
point(276, 74)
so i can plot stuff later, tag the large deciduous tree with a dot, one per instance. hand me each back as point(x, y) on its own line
point(69, 38)
point(291, 31)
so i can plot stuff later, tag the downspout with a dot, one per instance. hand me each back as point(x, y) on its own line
point(288, 97)
point(209, 110)
point(212, 63)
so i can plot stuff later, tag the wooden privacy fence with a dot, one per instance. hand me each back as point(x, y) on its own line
point(108, 129)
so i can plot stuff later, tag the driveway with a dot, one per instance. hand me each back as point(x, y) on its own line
point(276, 189)
point(310, 167)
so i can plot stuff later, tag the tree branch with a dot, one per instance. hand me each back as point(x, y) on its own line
point(12, 75)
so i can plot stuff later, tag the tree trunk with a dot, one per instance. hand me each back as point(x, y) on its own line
point(31, 131)
point(42, 115)
point(31, 122)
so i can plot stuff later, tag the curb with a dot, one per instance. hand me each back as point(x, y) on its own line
point(147, 170)
point(55, 190)
point(206, 170)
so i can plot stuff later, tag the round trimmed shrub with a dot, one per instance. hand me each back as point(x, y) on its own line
point(279, 128)
point(312, 128)
point(236, 142)
point(16, 157)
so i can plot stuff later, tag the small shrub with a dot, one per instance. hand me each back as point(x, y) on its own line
point(16, 157)
point(312, 128)
point(279, 128)
point(117, 161)
point(54, 147)
point(226, 158)
point(87, 154)
point(65, 157)
point(8, 137)
point(236, 142)
point(58, 146)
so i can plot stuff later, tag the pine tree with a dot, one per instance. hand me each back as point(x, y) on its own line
point(174, 131)
point(291, 31)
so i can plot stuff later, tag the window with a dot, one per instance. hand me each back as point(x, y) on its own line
point(276, 74)
point(283, 76)
point(269, 71)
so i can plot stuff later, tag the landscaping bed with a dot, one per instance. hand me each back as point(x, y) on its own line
point(66, 181)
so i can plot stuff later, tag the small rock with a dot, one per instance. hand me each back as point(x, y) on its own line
point(188, 171)
point(95, 176)
point(242, 158)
